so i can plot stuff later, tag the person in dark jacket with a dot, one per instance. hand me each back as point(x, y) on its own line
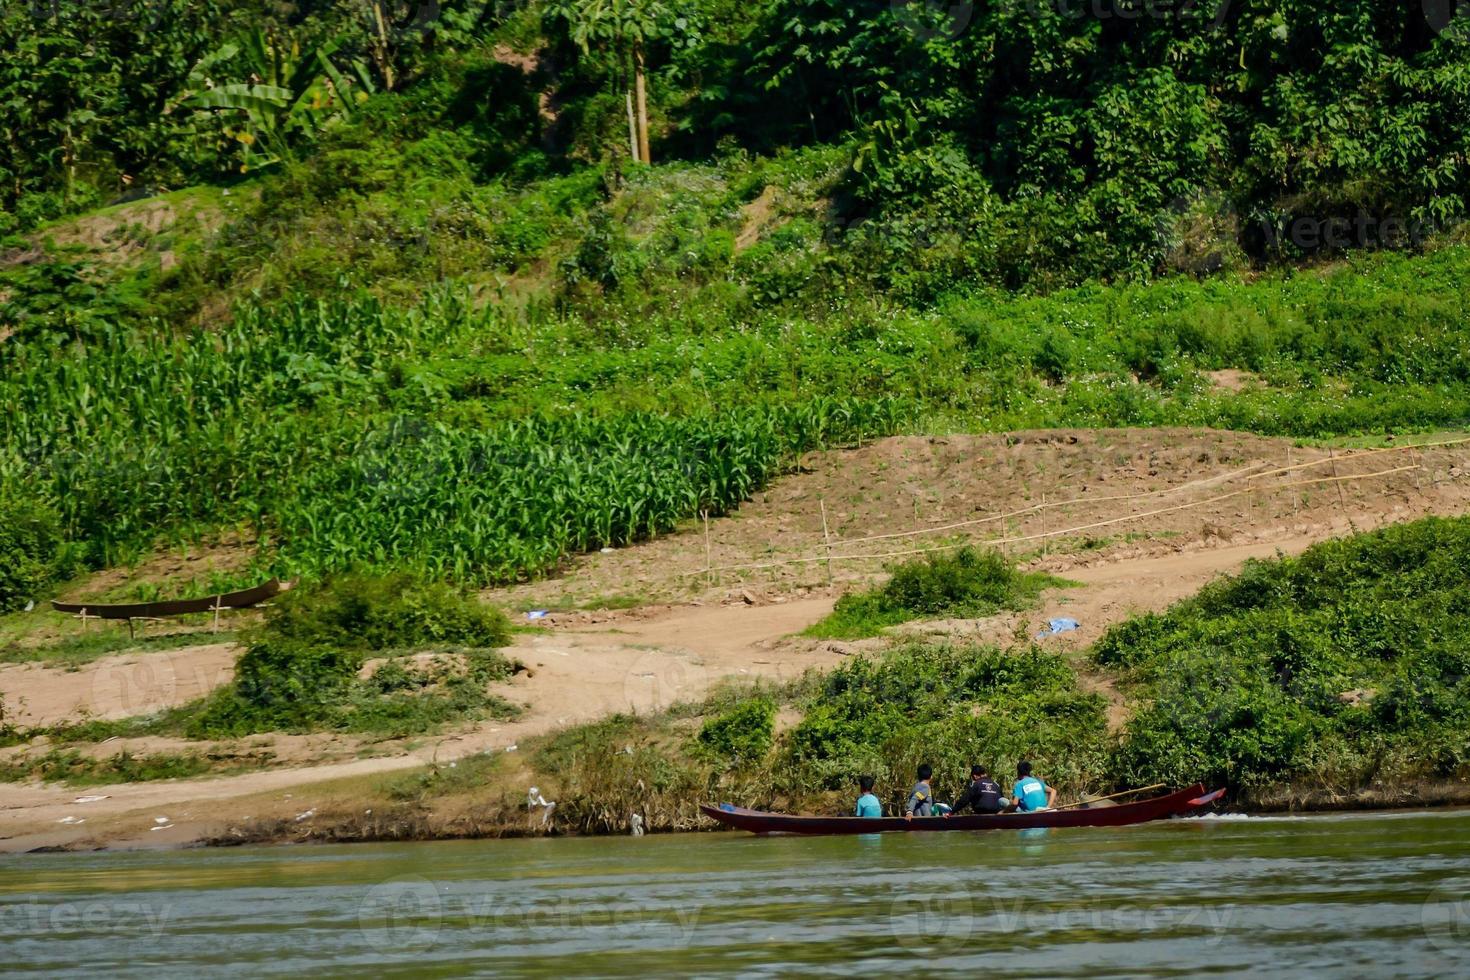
point(983, 795)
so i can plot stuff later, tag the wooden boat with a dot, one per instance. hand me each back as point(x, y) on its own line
point(1174, 804)
point(253, 596)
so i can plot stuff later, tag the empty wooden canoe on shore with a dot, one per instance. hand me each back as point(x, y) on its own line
point(241, 599)
point(1174, 804)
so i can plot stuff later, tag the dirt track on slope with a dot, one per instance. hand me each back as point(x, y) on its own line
point(738, 624)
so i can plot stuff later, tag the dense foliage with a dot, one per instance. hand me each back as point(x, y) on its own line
point(1345, 668)
point(33, 553)
point(949, 706)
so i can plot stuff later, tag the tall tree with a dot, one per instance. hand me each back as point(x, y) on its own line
point(627, 27)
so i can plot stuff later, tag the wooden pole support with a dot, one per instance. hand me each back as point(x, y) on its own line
point(1045, 540)
point(708, 562)
point(1341, 500)
point(1295, 498)
point(827, 536)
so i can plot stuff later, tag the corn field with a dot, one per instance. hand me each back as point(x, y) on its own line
point(280, 422)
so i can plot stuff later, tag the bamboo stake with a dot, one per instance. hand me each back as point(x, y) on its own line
point(1045, 541)
point(708, 561)
point(1295, 499)
point(1099, 799)
point(1341, 501)
point(827, 538)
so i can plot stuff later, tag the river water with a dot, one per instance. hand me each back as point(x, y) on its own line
point(1360, 895)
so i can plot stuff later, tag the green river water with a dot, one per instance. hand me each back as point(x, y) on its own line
point(1341, 895)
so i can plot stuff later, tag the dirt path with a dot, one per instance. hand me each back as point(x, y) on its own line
point(114, 687)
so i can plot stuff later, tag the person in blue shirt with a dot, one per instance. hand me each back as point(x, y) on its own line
point(1030, 793)
point(867, 804)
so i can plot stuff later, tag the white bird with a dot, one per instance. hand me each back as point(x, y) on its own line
point(637, 821)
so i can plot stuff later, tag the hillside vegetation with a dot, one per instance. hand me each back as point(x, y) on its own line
point(1333, 677)
point(383, 286)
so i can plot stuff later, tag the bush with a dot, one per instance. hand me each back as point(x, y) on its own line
point(966, 582)
point(359, 611)
point(1347, 666)
point(33, 552)
point(949, 706)
point(741, 735)
point(301, 671)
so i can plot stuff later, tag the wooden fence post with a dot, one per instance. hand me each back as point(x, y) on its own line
point(827, 536)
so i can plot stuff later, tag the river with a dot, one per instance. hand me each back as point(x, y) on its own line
point(1384, 894)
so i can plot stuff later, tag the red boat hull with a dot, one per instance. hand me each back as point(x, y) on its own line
point(1159, 808)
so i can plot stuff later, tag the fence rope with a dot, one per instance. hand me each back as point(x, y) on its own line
point(754, 566)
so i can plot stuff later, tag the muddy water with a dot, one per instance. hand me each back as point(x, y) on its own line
point(1381, 895)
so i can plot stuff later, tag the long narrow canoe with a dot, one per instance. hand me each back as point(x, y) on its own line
point(1174, 804)
point(176, 607)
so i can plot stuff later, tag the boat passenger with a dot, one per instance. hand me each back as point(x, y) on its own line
point(1031, 793)
point(983, 794)
point(867, 804)
point(921, 800)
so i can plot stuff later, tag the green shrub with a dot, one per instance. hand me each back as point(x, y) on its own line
point(741, 735)
point(361, 611)
point(301, 671)
point(949, 706)
point(33, 552)
point(1345, 666)
point(965, 582)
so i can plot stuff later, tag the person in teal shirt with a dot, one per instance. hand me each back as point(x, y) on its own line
point(867, 804)
point(1030, 793)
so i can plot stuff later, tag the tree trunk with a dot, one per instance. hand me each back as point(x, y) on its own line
point(632, 127)
point(640, 88)
point(382, 48)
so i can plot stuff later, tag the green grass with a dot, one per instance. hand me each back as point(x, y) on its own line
point(83, 648)
point(960, 584)
point(72, 768)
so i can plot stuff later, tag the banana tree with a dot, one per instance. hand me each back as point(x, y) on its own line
point(288, 92)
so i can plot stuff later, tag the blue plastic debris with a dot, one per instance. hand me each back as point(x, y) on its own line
point(1055, 626)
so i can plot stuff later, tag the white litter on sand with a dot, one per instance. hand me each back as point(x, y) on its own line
point(306, 816)
point(160, 820)
point(90, 799)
